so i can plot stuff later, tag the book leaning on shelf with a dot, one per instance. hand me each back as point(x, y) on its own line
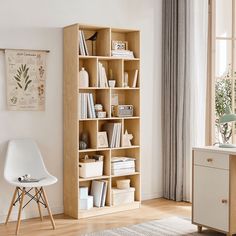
point(102, 76)
point(114, 134)
point(86, 106)
point(99, 192)
point(83, 49)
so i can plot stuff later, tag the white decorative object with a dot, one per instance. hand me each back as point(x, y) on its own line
point(26, 75)
point(83, 78)
point(126, 139)
point(126, 80)
point(101, 114)
point(112, 83)
point(86, 204)
point(83, 192)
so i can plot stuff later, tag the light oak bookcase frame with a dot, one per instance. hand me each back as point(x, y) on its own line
point(74, 126)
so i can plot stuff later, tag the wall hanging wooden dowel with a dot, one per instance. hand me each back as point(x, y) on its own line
point(37, 50)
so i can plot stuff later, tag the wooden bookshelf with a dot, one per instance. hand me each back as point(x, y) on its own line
point(74, 126)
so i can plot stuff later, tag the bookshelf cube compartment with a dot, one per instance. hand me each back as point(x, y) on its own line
point(106, 159)
point(100, 46)
point(129, 152)
point(131, 37)
point(134, 183)
point(113, 70)
point(132, 126)
point(110, 130)
point(90, 65)
point(100, 96)
point(88, 128)
point(130, 66)
point(88, 183)
point(126, 97)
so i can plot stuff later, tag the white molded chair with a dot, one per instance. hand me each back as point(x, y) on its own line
point(23, 157)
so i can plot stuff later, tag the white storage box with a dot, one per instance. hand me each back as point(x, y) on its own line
point(86, 204)
point(90, 169)
point(122, 196)
point(83, 192)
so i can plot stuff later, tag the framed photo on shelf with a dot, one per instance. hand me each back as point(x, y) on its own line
point(102, 139)
point(119, 45)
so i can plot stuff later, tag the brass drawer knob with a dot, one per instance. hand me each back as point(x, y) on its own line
point(224, 201)
point(209, 160)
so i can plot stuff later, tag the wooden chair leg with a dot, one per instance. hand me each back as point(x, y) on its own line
point(39, 208)
point(20, 209)
point(49, 210)
point(199, 229)
point(11, 206)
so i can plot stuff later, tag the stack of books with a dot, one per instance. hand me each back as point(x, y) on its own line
point(114, 134)
point(83, 49)
point(99, 192)
point(86, 106)
point(122, 53)
point(102, 76)
point(122, 165)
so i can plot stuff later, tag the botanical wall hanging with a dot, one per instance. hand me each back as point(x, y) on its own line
point(26, 76)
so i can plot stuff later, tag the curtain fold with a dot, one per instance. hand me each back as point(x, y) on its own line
point(183, 91)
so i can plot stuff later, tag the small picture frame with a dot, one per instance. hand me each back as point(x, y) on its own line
point(102, 141)
point(119, 45)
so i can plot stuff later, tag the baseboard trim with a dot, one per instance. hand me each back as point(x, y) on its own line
point(28, 214)
point(149, 196)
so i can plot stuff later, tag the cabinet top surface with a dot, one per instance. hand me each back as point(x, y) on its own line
point(216, 149)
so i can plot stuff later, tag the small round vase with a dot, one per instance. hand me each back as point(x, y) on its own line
point(83, 78)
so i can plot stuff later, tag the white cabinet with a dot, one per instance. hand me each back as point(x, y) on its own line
point(214, 194)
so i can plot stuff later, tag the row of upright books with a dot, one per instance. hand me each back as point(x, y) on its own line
point(99, 192)
point(102, 76)
point(83, 49)
point(86, 106)
point(114, 134)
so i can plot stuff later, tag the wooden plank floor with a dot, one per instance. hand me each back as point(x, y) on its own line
point(150, 210)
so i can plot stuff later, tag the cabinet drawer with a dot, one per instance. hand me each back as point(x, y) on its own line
point(210, 159)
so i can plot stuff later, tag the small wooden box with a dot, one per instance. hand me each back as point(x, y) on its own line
point(122, 196)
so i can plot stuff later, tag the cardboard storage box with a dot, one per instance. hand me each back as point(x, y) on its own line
point(122, 196)
point(83, 192)
point(90, 169)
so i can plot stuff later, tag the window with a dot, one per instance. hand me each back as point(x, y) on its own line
point(224, 66)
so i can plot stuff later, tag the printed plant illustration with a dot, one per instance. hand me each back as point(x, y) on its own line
point(22, 77)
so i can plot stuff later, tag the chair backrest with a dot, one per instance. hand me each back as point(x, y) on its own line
point(23, 157)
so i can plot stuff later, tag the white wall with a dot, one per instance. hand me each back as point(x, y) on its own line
point(38, 25)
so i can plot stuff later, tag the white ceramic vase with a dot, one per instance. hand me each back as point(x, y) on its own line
point(83, 78)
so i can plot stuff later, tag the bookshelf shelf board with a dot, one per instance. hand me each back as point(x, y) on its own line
point(96, 211)
point(94, 88)
point(112, 118)
point(128, 174)
point(108, 58)
point(94, 178)
point(94, 149)
point(107, 149)
point(122, 88)
point(108, 88)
